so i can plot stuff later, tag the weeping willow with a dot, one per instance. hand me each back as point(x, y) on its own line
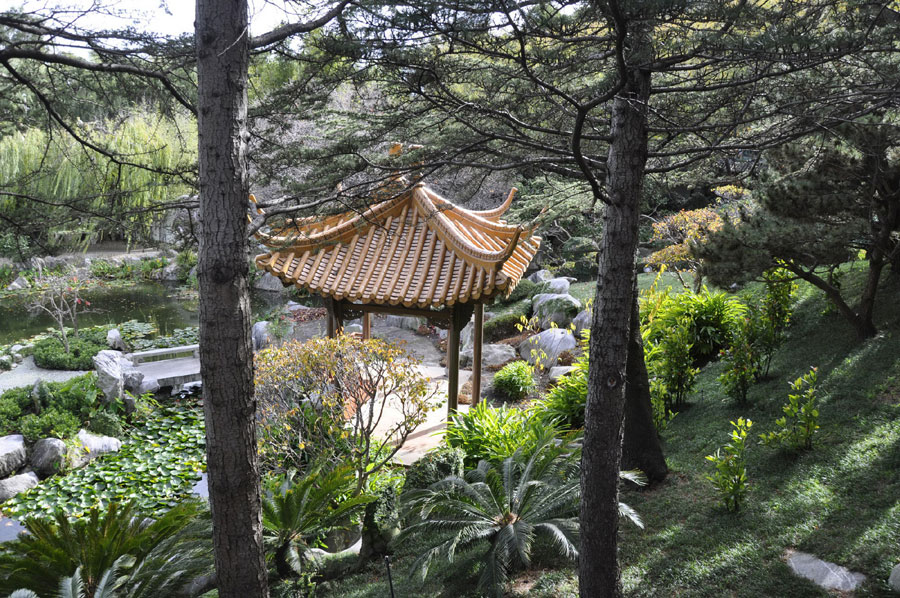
point(60, 193)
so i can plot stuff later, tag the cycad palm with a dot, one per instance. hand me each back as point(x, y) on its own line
point(302, 510)
point(87, 554)
point(508, 506)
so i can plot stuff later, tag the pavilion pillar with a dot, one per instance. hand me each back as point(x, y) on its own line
point(453, 362)
point(476, 353)
point(330, 320)
point(366, 325)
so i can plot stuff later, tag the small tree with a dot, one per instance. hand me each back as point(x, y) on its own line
point(61, 298)
point(338, 401)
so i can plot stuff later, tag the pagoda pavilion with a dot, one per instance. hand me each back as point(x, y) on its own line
point(414, 254)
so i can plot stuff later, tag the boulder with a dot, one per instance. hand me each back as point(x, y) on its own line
point(353, 328)
point(560, 286)
point(407, 322)
point(554, 308)
point(894, 579)
point(582, 322)
point(12, 454)
point(95, 445)
point(467, 334)
point(540, 276)
point(558, 371)
point(824, 574)
point(133, 378)
point(192, 388)
point(491, 356)
point(16, 484)
point(169, 273)
point(17, 348)
point(259, 334)
point(115, 341)
point(48, 456)
point(18, 284)
point(547, 345)
point(110, 377)
point(148, 385)
point(268, 282)
point(293, 306)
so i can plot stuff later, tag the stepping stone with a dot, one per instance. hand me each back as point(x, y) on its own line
point(824, 574)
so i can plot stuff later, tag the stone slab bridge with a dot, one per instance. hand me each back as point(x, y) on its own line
point(172, 366)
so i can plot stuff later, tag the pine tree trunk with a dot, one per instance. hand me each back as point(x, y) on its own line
point(226, 356)
point(599, 574)
point(641, 448)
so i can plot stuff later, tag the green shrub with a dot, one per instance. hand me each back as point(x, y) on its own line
point(21, 395)
point(772, 315)
point(493, 434)
point(148, 267)
point(565, 401)
point(10, 412)
point(741, 365)
point(50, 423)
point(435, 466)
point(51, 354)
point(801, 417)
point(106, 424)
point(515, 380)
point(77, 395)
point(730, 477)
point(185, 261)
point(501, 327)
point(670, 364)
point(524, 290)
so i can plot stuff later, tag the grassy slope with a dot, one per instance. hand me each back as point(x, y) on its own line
point(841, 501)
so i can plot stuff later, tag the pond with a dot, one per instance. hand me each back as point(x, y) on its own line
point(153, 302)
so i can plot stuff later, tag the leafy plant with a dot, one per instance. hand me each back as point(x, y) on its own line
point(155, 469)
point(772, 316)
point(730, 477)
point(801, 417)
point(501, 327)
point(107, 424)
point(185, 261)
point(434, 466)
point(670, 364)
point(148, 557)
point(493, 434)
point(52, 354)
point(741, 365)
point(515, 380)
point(302, 510)
point(504, 507)
point(50, 423)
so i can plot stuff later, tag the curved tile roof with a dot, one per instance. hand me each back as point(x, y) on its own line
point(417, 249)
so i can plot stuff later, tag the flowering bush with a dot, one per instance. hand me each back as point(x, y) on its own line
point(337, 401)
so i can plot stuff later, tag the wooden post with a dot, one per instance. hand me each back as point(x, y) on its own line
point(330, 319)
point(453, 363)
point(476, 353)
point(367, 325)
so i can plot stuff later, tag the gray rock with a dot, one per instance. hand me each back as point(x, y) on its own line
point(407, 322)
point(148, 385)
point(824, 574)
point(132, 378)
point(467, 334)
point(48, 456)
point(17, 358)
point(18, 284)
point(894, 579)
point(560, 286)
point(582, 322)
point(552, 308)
point(110, 377)
point(547, 346)
point(293, 306)
point(96, 445)
point(17, 348)
point(115, 341)
point(12, 454)
point(16, 484)
point(169, 273)
point(353, 328)
point(6, 362)
point(268, 282)
point(259, 334)
point(192, 387)
point(558, 371)
point(491, 355)
point(540, 276)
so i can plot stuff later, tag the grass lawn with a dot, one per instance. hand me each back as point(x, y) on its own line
point(839, 501)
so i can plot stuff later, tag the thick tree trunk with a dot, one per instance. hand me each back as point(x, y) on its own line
point(226, 356)
point(641, 448)
point(599, 574)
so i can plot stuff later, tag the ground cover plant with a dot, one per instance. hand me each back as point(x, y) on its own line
point(158, 464)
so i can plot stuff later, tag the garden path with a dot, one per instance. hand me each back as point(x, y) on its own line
point(27, 373)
